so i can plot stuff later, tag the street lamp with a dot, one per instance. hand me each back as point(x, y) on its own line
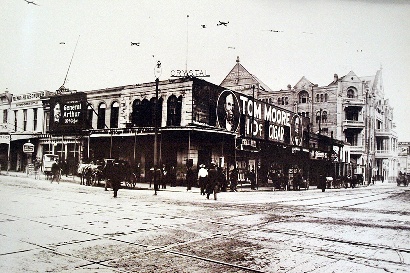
point(157, 73)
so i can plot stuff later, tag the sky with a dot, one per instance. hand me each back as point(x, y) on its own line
point(277, 41)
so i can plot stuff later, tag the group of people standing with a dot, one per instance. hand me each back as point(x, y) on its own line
point(213, 180)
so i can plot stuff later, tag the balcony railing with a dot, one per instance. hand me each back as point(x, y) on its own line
point(353, 124)
point(353, 102)
point(357, 149)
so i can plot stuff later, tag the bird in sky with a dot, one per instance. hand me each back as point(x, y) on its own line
point(222, 23)
point(203, 26)
point(31, 2)
point(231, 47)
point(62, 43)
point(136, 44)
point(272, 30)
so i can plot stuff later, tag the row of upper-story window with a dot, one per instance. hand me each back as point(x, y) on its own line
point(303, 97)
point(143, 113)
point(27, 122)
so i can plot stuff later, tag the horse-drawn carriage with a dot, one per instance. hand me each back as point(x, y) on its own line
point(47, 166)
point(92, 174)
point(402, 179)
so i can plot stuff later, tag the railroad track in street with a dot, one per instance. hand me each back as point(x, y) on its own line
point(336, 248)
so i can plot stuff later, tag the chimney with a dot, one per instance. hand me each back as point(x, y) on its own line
point(336, 78)
point(289, 87)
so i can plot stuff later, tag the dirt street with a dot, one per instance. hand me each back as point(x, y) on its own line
point(69, 227)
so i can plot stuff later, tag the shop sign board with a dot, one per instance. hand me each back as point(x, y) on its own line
point(5, 139)
point(68, 112)
point(28, 148)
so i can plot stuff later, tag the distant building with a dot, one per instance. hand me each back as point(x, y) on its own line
point(404, 157)
point(350, 109)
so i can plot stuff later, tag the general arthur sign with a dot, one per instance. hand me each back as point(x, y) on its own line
point(68, 113)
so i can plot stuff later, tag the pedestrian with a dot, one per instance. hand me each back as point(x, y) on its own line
point(157, 178)
point(202, 178)
point(37, 167)
point(222, 183)
point(322, 182)
point(173, 176)
point(234, 179)
point(212, 184)
point(190, 178)
point(56, 172)
point(297, 181)
point(252, 178)
point(112, 176)
point(164, 177)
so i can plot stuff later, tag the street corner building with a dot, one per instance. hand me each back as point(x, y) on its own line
point(343, 128)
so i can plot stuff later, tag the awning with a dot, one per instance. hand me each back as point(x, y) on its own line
point(15, 137)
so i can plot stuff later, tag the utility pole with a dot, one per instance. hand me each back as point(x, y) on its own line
point(157, 72)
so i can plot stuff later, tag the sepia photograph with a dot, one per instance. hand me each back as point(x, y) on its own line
point(205, 136)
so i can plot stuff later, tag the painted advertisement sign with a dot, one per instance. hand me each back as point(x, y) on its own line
point(68, 112)
point(239, 113)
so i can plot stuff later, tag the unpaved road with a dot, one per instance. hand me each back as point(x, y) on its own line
point(67, 227)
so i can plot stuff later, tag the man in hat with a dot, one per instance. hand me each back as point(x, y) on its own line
point(202, 178)
point(212, 181)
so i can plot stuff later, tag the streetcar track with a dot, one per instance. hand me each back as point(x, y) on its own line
point(244, 229)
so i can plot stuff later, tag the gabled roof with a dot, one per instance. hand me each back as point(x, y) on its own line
point(302, 83)
point(240, 73)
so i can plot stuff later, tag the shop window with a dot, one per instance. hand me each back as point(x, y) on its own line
point(101, 116)
point(174, 111)
point(115, 111)
point(303, 96)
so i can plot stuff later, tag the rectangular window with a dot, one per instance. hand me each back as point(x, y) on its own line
point(35, 119)
point(15, 120)
point(25, 120)
point(5, 116)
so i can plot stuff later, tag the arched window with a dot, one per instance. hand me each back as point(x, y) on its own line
point(317, 98)
point(325, 97)
point(351, 93)
point(174, 111)
point(90, 113)
point(101, 115)
point(321, 97)
point(324, 116)
point(155, 113)
point(115, 111)
point(303, 96)
point(136, 118)
point(146, 113)
point(317, 116)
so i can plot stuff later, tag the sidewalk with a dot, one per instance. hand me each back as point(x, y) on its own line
point(138, 186)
